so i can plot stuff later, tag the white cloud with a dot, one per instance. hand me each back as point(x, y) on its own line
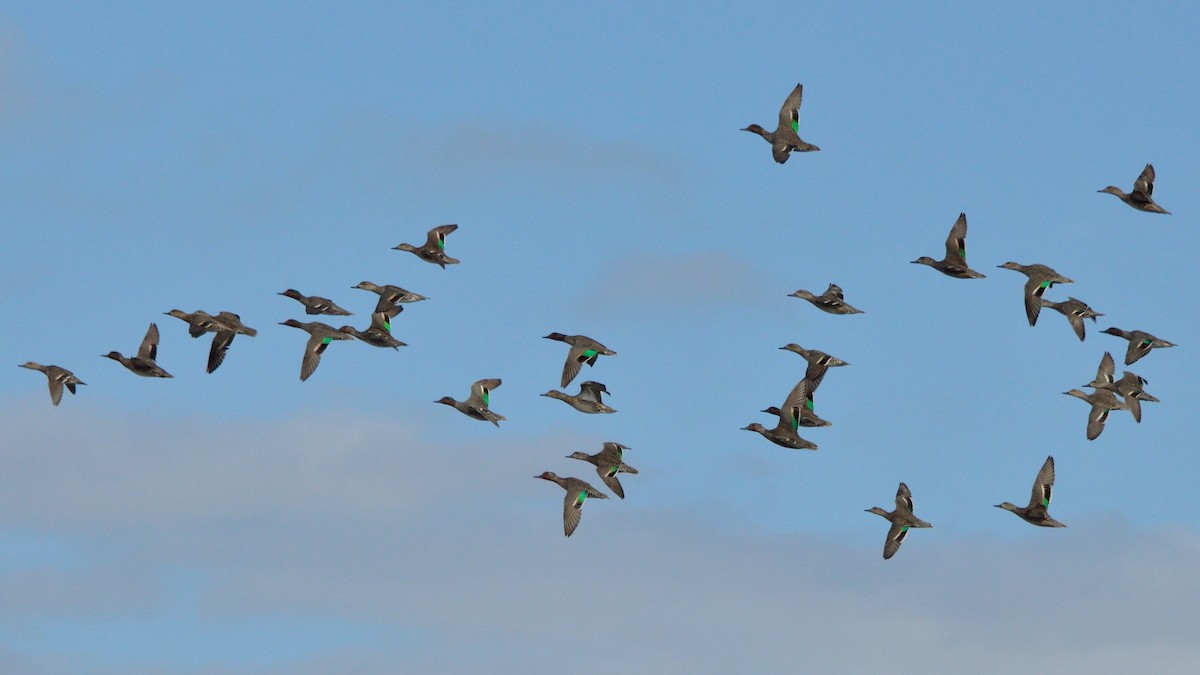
point(448, 556)
point(701, 279)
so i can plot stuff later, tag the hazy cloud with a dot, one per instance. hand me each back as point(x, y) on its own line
point(701, 279)
point(448, 556)
point(16, 85)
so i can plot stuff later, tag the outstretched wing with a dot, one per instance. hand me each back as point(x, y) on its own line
point(789, 114)
point(149, 346)
point(904, 498)
point(1144, 185)
point(481, 392)
point(1043, 485)
point(573, 510)
point(956, 243)
point(220, 345)
point(435, 239)
point(793, 406)
point(1104, 373)
point(895, 537)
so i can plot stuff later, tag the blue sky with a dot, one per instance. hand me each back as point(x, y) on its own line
point(159, 156)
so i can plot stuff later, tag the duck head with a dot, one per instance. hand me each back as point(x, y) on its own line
point(755, 129)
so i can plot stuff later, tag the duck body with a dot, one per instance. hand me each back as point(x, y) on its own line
point(390, 295)
point(608, 462)
point(320, 336)
point(589, 400)
point(955, 262)
point(57, 377)
point(1141, 197)
point(1140, 343)
point(902, 519)
point(434, 248)
point(314, 304)
point(379, 333)
point(477, 404)
point(583, 350)
point(818, 363)
point(786, 137)
point(1076, 311)
point(833, 300)
point(1038, 511)
point(784, 432)
point(1041, 277)
point(143, 364)
point(578, 492)
point(1102, 402)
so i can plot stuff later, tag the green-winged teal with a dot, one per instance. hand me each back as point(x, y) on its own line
point(784, 432)
point(476, 406)
point(390, 295)
point(58, 378)
point(1103, 402)
point(379, 333)
point(434, 248)
point(902, 519)
point(808, 418)
point(234, 323)
point(1143, 188)
point(589, 399)
point(199, 322)
point(1130, 386)
point(314, 304)
point(955, 262)
point(818, 363)
point(320, 335)
point(1040, 278)
point(1076, 311)
point(225, 325)
point(143, 364)
point(229, 325)
point(609, 462)
point(832, 300)
point(1140, 343)
point(1037, 513)
point(583, 350)
point(786, 136)
point(578, 492)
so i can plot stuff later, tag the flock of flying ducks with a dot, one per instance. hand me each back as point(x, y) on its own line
point(797, 409)
point(226, 325)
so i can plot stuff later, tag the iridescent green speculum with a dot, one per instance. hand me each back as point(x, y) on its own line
point(796, 126)
point(1047, 284)
point(1045, 502)
point(326, 340)
point(590, 353)
point(904, 529)
point(487, 399)
point(581, 498)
